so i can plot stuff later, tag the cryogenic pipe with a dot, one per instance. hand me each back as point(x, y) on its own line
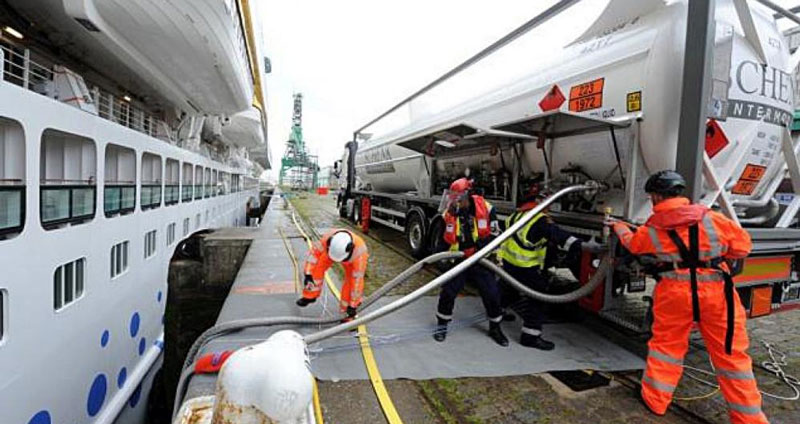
point(585, 290)
point(452, 272)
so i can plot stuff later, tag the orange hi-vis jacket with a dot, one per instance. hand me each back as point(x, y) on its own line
point(710, 300)
point(318, 262)
point(481, 227)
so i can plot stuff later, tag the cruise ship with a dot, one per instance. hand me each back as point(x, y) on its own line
point(126, 126)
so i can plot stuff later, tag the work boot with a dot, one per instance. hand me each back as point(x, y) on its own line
point(441, 330)
point(536, 342)
point(350, 315)
point(496, 333)
point(304, 301)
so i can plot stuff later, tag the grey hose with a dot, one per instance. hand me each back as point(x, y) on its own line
point(452, 272)
point(585, 290)
point(238, 325)
point(232, 326)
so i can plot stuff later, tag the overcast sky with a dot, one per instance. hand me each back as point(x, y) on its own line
point(353, 59)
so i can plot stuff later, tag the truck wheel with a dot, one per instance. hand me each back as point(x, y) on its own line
point(416, 233)
point(436, 238)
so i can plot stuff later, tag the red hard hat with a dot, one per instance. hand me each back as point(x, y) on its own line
point(460, 186)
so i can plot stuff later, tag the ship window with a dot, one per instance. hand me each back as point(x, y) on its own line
point(186, 195)
point(206, 217)
point(224, 182)
point(207, 184)
point(214, 183)
point(12, 178)
point(119, 259)
point(68, 283)
point(119, 193)
point(172, 179)
point(2, 314)
point(149, 244)
point(198, 182)
point(197, 221)
point(170, 234)
point(185, 227)
point(68, 175)
point(151, 181)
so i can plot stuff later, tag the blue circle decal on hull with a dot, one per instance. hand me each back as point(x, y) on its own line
point(142, 345)
point(41, 417)
point(135, 396)
point(121, 377)
point(135, 321)
point(97, 395)
point(104, 338)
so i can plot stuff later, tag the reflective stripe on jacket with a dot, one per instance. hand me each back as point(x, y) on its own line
point(718, 237)
point(518, 250)
point(481, 225)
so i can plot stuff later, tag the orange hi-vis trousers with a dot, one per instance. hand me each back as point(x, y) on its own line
point(672, 309)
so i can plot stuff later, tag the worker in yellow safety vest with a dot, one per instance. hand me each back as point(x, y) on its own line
point(524, 257)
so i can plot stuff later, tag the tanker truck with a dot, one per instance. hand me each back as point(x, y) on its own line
point(607, 110)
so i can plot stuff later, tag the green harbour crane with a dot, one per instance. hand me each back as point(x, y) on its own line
point(299, 169)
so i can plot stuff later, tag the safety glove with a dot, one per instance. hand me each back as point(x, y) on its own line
point(309, 280)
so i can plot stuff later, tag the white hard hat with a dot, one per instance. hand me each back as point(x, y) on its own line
point(340, 246)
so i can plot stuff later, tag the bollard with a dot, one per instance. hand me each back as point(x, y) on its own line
point(270, 382)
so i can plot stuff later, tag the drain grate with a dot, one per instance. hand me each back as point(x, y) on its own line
point(580, 380)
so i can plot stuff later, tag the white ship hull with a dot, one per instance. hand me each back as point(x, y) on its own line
point(59, 364)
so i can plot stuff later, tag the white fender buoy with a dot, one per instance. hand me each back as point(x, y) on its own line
point(265, 383)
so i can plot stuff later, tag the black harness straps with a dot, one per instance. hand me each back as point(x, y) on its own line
point(690, 259)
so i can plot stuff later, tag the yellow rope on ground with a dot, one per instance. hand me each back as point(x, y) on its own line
point(317, 407)
point(297, 288)
point(389, 411)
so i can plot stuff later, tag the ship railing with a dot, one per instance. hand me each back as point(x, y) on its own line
point(66, 201)
point(172, 194)
point(119, 198)
point(151, 195)
point(186, 192)
point(12, 206)
point(19, 69)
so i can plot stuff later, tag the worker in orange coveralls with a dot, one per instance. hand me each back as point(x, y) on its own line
point(347, 248)
point(691, 244)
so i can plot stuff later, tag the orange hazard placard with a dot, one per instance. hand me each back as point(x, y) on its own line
point(749, 179)
point(586, 96)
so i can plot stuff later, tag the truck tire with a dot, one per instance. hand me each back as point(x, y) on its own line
point(416, 235)
point(356, 216)
point(436, 236)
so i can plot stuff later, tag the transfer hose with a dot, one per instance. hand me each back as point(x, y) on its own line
point(584, 290)
point(452, 272)
point(238, 325)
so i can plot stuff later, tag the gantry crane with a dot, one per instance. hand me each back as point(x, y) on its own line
point(299, 170)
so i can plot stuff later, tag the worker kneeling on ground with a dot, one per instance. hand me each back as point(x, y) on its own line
point(347, 248)
point(469, 223)
point(691, 244)
point(524, 258)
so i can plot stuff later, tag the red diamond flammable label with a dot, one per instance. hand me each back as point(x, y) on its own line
point(552, 100)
